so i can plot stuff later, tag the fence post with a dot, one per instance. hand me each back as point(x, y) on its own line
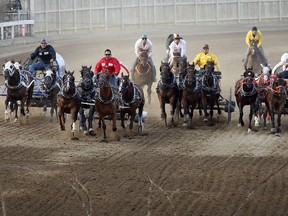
point(280, 14)
point(154, 11)
point(238, 3)
point(259, 10)
point(196, 14)
point(175, 13)
point(105, 11)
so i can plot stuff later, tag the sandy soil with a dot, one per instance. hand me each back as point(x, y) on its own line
point(214, 169)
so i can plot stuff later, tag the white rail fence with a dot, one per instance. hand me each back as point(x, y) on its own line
point(10, 30)
point(66, 16)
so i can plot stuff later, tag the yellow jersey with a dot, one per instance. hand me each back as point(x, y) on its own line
point(257, 38)
point(202, 58)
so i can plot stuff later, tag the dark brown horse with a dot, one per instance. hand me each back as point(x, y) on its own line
point(210, 91)
point(19, 88)
point(143, 73)
point(107, 101)
point(68, 101)
point(255, 58)
point(51, 86)
point(87, 93)
point(168, 92)
point(275, 99)
point(133, 99)
point(246, 94)
point(191, 93)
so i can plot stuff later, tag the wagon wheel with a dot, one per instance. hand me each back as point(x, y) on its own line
point(229, 111)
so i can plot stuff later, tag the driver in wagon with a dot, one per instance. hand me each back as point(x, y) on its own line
point(203, 57)
point(46, 56)
point(143, 44)
point(110, 64)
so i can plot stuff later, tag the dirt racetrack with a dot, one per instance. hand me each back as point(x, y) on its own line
point(210, 170)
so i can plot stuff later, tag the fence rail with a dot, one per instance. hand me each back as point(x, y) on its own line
point(8, 29)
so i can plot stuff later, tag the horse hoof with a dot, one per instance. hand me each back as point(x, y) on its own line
point(205, 119)
point(249, 131)
point(74, 138)
point(184, 124)
point(15, 120)
point(257, 124)
point(85, 132)
point(273, 130)
point(114, 129)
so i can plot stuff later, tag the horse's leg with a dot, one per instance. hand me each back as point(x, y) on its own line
point(240, 120)
point(149, 91)
point(278, 130)
point(204, 104)
point(211, 109)
point(273, 129)
point(218, 106)
point(7, 112)
point(132, 117)
point(251, 116)
point(140, 113)
point(74, 119)
point(22, 106)
point(114, 128)
point(122, 116)
point(102, 120)
point(163, 112)
point(61, 119)
point(83, 126)
point(28, 100)
point(90, 120)
point(185, 108)
point(173, 105)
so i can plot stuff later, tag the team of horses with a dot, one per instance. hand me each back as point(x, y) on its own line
point(180, 85)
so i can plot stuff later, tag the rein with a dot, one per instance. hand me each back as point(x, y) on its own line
point(135, 95)
point(102, 100)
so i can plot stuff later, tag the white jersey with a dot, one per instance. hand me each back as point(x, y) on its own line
point(140, 47)
point(178, 48)
point(284, 60)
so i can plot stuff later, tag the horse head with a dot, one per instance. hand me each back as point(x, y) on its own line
point(124, 83)
point(87, 78)
point(143, 57)
point(104, 78)
point(208, 78)
point(7, 67)
point(165, 73)
point(279, 86)
point(249, 76)
point(69, 83)
point(253, 49)
point(49, 79)
point(190, 75)
point(177, 63)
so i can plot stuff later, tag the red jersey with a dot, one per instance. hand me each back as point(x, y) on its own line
point(112, 65)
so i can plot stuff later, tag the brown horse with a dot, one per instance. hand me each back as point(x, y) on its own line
point(68, 101)
point(168, 92)
point(191, 93)
point(133, 98)
point(275, 99)
point(143, 73)
point(178, 67)
point(246, 94)
point(255, 58)
point(107, 101)
point(210, 91)
point(19, 88)
point(51, 86)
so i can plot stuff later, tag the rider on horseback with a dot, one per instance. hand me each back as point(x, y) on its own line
point(203, 57)
point(178, 46)
point(46, 56)
point(255, 35)
point(284, 62)
point(143, 44)
point(110, 64)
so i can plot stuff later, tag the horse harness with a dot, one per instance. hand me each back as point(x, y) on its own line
point(136, 96)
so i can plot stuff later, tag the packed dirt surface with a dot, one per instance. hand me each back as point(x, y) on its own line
point(212, 169)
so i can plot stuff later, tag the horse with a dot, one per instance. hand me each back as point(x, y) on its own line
point(68, 101)
point(275, 99)
point(246, 94)
point(51, 86)
point(143, 73)
point(133, 99)
point(178, 67)
point(87, 92)
point(167, 91)
point(107, 101)
point(20, 86)
point(263, 80)
point(255, 58)
point(191, 93)
point(210, 91)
